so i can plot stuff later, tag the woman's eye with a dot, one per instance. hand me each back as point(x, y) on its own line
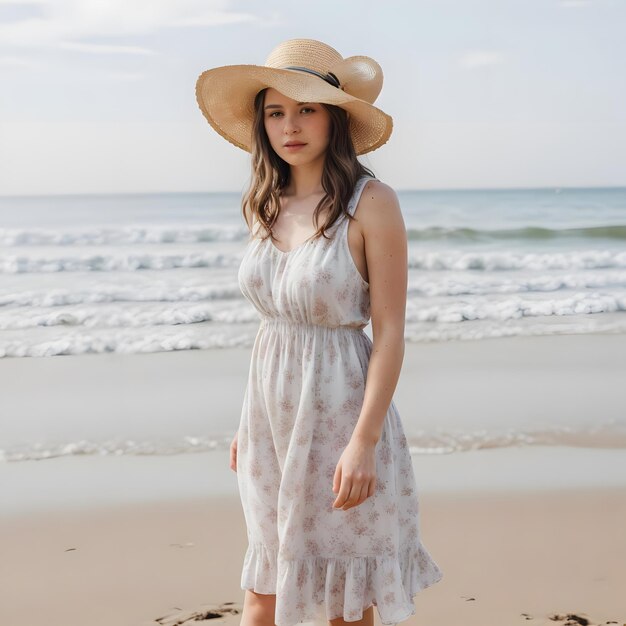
point(280, 113)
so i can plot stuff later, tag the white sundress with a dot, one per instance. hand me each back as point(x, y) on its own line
point(302, 401)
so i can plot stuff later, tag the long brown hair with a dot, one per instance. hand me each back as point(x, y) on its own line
point(271, 174)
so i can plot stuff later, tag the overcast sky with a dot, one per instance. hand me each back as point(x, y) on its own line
point(99, 96)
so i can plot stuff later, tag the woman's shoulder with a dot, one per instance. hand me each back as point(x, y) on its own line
point(378, 202)
point(380, 189)
point(381, 222)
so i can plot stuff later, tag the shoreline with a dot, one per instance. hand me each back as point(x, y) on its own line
point(567, 388)
point(83, 483)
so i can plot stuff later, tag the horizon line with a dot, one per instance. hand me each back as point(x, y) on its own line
point(555, 188)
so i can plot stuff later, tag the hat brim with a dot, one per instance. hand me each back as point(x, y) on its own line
point(226, 94)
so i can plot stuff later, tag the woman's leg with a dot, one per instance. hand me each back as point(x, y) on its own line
point(258, 609)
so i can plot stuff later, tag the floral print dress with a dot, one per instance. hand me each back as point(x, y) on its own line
point(302, 401)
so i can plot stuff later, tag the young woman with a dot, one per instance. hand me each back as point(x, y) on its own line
point(323, 467)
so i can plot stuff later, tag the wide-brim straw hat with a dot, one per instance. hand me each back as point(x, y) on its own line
point(305, 70)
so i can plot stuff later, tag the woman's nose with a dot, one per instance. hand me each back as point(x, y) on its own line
point(291, 123)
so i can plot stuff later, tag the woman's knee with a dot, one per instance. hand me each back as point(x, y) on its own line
point(261, 598)
point(261, 607)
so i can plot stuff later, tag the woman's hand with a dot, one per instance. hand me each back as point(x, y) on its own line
point(233, 453)
point(355, 475)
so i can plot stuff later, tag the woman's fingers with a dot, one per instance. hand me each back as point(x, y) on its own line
point(372, 488)
point(358, 493)
point(233, 454)
point(354, 495)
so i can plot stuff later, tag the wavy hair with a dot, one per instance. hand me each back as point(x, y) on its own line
point(271, 174)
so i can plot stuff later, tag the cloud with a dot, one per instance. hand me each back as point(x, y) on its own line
point(215, 18)
point(16, 61)
point(60, 21)
point(130, 77)
point(103, 48)
point(480, 58)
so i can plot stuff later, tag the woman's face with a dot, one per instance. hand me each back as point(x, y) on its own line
point(286, 121)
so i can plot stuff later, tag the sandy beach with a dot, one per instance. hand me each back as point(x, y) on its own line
point(507, 558)
point(521, 532)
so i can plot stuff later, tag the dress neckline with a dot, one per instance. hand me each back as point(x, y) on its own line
point(287, 252)
point(310, 239)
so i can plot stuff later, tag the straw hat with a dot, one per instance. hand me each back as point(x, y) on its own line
point(305, 70)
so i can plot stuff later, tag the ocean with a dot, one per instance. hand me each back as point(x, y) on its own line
point(149, 273)
point(156, 273)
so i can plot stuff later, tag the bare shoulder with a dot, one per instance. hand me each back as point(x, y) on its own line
point(379, 209)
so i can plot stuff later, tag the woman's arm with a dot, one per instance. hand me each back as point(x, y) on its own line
point(385, 239)
point(384, 234)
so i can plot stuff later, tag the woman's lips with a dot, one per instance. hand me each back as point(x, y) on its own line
point(295, 146)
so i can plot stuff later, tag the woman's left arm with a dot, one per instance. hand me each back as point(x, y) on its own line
point(385, 239)
point(384, 234)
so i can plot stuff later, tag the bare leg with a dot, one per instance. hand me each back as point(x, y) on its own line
point(258, 609)
point(367, 620)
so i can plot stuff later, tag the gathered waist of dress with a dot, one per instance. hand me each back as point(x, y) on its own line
point(287, 324)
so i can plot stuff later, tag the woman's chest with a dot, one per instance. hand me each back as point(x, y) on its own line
point(313, 272)
point(294, 228)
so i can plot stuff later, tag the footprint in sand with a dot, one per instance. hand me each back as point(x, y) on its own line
point(574, 619)
point(205, 613)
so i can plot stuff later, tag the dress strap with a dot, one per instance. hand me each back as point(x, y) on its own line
point(358, 189)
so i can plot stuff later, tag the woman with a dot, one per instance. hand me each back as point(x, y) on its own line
point(323, 467)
